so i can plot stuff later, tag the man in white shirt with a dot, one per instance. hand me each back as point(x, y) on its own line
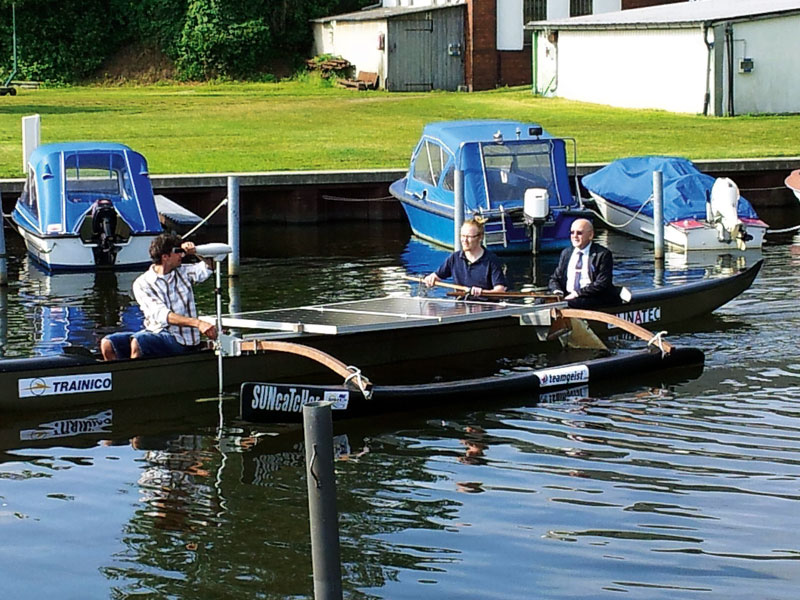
point(165, 295)
point(585, 272)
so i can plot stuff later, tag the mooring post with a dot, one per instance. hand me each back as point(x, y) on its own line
point(3, 257)
point(323, 516)
point(3, 320)
point(233, 225)
point(458, 208)
point(658, 215)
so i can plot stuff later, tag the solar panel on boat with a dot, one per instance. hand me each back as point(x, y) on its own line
point(370, 314)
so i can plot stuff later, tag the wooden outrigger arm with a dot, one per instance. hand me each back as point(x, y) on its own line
point(632, 328)
point(351, 375)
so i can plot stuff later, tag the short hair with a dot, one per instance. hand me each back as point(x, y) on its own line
point(163, 243)
point(475, 223)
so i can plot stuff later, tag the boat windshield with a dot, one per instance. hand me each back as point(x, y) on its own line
point(88, 176)
point(513, 167)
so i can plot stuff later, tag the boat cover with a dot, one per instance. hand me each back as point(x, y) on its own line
point(629, 182)
point(462, 142)
point(64, 194)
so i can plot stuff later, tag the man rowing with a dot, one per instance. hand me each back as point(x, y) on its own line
point(165, 295)
point(585, 272)
point(473, 266)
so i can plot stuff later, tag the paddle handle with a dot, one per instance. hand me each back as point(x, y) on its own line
point(450, 286)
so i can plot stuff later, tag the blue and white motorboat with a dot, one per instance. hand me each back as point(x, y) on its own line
point(700, 212)
point(87, 205)
point(507, 166)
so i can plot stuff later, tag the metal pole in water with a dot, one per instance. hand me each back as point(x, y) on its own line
point(3, 320)
point(3, 257)
point(218, 293)
point(323, 516)
point(458, 208)
point(233, 226)
point(658, 215)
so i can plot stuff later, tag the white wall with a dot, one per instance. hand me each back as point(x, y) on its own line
point(559, 9)
point(603, 6)
point(510, 25)
point(663, 69)
point(356, 41)
point(393, 3)
point(774, 84)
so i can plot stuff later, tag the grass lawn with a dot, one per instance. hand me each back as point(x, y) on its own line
point(236, 127)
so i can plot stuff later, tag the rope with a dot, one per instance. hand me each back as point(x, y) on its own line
point(203, 222)
point(657, 341)
point(626, 223)
point(785, 230)
point(343, 199)
point(359, 382)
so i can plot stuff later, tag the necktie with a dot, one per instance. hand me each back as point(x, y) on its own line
point(578, 268)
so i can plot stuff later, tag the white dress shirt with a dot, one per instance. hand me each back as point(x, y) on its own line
point(573, 261)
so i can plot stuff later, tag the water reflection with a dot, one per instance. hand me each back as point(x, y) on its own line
point(678, 488)
point(75, 309)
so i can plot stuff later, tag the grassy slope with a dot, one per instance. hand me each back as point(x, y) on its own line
point(301, 126)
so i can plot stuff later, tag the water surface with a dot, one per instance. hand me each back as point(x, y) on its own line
point(671, 490)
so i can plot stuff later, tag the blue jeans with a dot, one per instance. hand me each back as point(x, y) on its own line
point(151, 344)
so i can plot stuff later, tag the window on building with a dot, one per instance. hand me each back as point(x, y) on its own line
point(579, 8)
point(534, 10)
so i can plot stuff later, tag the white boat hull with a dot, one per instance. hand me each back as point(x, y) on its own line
point(69, 252)
point(687, 234)
point(793, 183)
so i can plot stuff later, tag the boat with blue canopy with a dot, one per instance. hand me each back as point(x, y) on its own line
point(700, 212)
point(515, 178)
point(87, 205)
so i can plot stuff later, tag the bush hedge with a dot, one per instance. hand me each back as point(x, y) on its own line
point(66, 41)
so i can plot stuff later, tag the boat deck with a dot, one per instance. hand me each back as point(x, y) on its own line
point(375, 314)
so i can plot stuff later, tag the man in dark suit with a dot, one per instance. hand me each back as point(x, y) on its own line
point(584, 274)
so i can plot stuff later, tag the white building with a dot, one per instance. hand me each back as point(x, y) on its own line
point(417, 45)
point(717, 57)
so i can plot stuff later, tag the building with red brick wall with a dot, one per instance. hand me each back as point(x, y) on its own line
point(418, 45)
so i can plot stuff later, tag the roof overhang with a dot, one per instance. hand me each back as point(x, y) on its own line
point(383, 13)
point(681, 15)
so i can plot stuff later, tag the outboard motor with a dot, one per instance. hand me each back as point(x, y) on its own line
point(722, 213)
point(104, 226)
point(536, 209)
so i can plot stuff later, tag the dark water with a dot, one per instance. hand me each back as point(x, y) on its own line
point(673, 490)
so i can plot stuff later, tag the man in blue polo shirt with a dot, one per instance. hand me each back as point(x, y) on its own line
point(473, 266)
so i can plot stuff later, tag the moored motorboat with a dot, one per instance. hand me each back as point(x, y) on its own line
point(502, 162)
point(87, 205)
point(388, 338)
point(700, 212)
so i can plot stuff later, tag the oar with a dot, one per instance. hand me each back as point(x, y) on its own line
point(451, 286)
point(462, 290)
point(491, 294)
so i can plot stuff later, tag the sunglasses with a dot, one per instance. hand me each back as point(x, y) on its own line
point(178, 251)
